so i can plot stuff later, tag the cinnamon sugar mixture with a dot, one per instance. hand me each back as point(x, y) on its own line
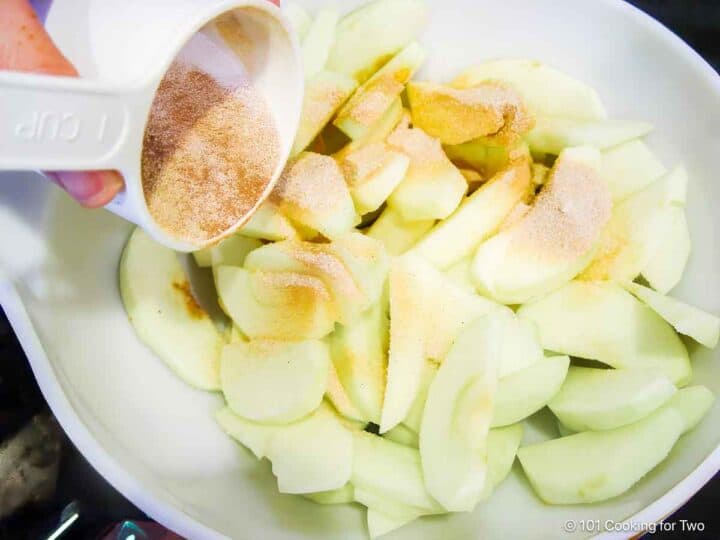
point(209, 151)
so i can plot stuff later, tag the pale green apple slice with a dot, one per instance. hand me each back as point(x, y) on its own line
point(203, 257)
point(598, 399)
point(703, 327)
point(390, 507)
point(373, 172)
point(402, 434)
point(552, 135)
point(276, 305)
point(630, 167)
point(601, 321)
point(380, 524)
point(595, 466)
point(458, 412)
point(379, 92)
point(692, 403)
point(159, 302)
point(234, 250)
point(563, 430)
point(638, 228)
point(372, 34)
point(274, 382)
point(433, 187)
point(299, 18)
point(479, 155)
point(502, 447)
point(396, 234)
point(478, 217)
point(666, 266)
point(314, 454)
point(378, 132)
point(391, 470)
point(367, 260)
point(555, 240)
point(343, 495)
point(460, 273)
point(312, 192)
point(252, 435)
point(338, 398)
point(528, 390)
point(268, 223)
point(318, 41)
point(325, 93)
point(547, 91)
point(359, 354)
point(413, 420)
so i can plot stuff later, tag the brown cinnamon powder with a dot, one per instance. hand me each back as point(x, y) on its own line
point(209, 152)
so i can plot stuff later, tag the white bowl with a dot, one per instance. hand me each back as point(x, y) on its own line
point(154, 438)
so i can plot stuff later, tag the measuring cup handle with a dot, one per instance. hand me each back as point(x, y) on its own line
point(61, 123)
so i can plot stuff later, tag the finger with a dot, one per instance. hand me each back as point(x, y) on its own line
point(92, 189)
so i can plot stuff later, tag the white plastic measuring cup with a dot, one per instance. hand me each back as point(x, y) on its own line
point(125, 47)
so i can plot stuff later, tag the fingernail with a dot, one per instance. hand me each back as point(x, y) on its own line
point(91, 189)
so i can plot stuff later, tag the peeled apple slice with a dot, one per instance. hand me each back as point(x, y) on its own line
point(318, 41)
point(268, 223)
point(396, 234)
point(391, 470)
point(274, 382)
point(325, 93)
point(688, 320)
point(528, 390)
point(253, 436)
point(595, 466)
point(555, 240)
point(630, 167)
point(343, 495)
point(166, 317)
point(478, 217)
point(598, 399)
point(402, 434)
point(547, 91)
point(388, 506)
point(276, 305)
point(377, 94)
point(372, 34)
point(380, 524)
point(692, 403)
point(414, 415)
point(552, 135)
point(458, 412)
point(377, 133)
point(314, 454)
point(523, 348)
point(338, 398)
point(460, 273)
point(502, 447)
point(601, 321)
point(666, 266)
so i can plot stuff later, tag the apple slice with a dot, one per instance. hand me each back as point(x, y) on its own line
point(253, 436)
point(373, 172)
point(666, 266)
point(377, 133)
point(598, 399)
point(274, 382)
point(314, 454)
point(595, 466)
point(413, 420)
point(268, 223)
point(203, 257)
point(630, 167)
point(555, 240)
point(456, 116)
point(523, 348)
point(528, 390)
point(484, 156)
point(234, 250)
point(367, 260)
point(502, 447)
point(299, 18)
point(159, 302)
point(276, 305)
point(458, 412)
point(312, 191)
point(402, 434)
point(318, 41)
point(390, 470)
point(372, 34)
point(547, 91)
point(477, 218)
point(460, 273)
point(378, 93)
point(338, 398)
point(396, 234)
point(688, 320)
point(325, 93)
point(552, 135)
point(343, 495)
point(388, 506)
point(360, 358)
point(380, 524)
point(601, 321)
point(692, 403)
point(433, 186)
point(638, 229)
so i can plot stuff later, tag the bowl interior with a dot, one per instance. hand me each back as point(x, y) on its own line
point(154, 438)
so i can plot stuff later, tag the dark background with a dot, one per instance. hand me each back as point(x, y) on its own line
point(696, 21)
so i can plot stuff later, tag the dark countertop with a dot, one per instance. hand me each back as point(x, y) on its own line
point(696, 21)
